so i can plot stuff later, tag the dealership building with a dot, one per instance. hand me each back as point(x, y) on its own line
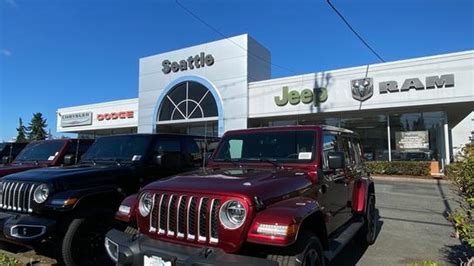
point(415, 109)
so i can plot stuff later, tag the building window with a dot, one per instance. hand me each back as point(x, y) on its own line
point(188, 100)
point(417, 136)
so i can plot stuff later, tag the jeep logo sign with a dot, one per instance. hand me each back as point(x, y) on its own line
point(317, 95)
point(415, 83)
point(198, 61)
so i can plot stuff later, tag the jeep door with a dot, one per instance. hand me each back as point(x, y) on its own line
point(334, 184)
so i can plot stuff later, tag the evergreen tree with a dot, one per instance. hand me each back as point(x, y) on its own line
point(21, 137)
point(37, 127)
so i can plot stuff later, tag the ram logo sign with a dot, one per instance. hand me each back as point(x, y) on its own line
point(432, 82)
point(362, 89)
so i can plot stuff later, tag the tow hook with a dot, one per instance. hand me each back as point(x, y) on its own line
point(206, 252)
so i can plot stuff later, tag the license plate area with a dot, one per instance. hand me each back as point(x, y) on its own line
point(153, 260)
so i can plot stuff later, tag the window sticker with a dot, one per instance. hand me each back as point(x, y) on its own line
point(305, 155)
point(50, 158)
point(56, 154)
point(136, 157)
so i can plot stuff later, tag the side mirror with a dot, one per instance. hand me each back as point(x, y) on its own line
point(69, 159)
point(336, 160)
point(6, 159)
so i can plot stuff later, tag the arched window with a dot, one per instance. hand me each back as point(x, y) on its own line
point(188, 100)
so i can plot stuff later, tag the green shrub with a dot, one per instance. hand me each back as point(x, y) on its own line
point(462, 174)
point(412, 168)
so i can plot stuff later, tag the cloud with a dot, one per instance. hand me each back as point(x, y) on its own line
point(6, 52)
point(11, 3)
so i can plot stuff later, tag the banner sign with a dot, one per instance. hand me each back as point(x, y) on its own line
point(412, 140)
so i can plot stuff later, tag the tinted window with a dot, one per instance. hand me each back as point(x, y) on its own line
point(163, 146)
point(283, 146)
point(40, 151)
point(125, 148)
point(329, 145)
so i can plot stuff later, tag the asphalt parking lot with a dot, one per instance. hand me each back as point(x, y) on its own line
point(412, 226)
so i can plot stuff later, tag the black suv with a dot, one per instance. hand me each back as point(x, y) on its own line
point(9, 150)
point(68, 210)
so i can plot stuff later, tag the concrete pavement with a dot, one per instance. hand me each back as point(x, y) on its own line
point(412, 226)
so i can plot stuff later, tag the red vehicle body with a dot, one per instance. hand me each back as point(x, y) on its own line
point(290, 204)
point(63, 148)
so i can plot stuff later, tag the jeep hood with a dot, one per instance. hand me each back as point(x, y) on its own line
point(77, 176)
point(15, 168)
point(267, 184)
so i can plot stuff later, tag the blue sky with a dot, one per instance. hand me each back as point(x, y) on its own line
point(59, 53)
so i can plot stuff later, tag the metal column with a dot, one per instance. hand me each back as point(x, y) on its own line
point(388, 139)
point(447, 151)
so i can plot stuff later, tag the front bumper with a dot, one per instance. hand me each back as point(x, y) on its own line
point(25, 228)
point(133, 249)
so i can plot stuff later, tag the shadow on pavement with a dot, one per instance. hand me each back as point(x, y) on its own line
point(456, 254)
point(354, 250)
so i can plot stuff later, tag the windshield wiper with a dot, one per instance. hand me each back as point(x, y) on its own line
point(229, 161)
point(266, 160)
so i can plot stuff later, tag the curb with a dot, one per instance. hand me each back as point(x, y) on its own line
point(410, 179)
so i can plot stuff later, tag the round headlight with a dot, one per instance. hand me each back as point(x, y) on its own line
point(144, 205)
point(232, 214)
point(41, 193)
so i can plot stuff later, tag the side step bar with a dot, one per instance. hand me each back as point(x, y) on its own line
point(339, 242)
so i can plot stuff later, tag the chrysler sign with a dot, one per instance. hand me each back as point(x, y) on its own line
point(76, 119)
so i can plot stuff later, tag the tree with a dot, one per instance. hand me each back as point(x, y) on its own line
point(22, 131)
point(37, 127)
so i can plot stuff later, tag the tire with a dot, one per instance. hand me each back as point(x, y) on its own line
point(308, 251)
point(83, 243)
point(369, 230)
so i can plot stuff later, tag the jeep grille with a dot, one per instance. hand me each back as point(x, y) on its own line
point(185, 217)
point(17, 196)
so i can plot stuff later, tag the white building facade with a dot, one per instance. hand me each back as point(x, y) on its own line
point(416, 109)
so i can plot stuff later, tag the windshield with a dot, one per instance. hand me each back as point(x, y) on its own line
point(282, 146)
point(40, 151)
point(118, 148)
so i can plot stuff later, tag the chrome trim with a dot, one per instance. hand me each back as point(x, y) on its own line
point(18, 200)
point(13, 196)
point(43, 230)
point(3, 193)
point(152, 229)
point(200, 238)
point(108, 242)
point(180, 235)
point(170, 232)
point(190, 237)
point(29, 198)
point(160, 231)
point(211, 239)
point(7, 197)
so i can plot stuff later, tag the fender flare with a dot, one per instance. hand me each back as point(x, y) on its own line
point(360, 194)
point(290, 213)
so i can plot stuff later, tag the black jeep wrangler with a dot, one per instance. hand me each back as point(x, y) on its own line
point(66, 211)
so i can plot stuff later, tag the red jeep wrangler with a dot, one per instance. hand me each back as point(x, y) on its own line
point(268, 196)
